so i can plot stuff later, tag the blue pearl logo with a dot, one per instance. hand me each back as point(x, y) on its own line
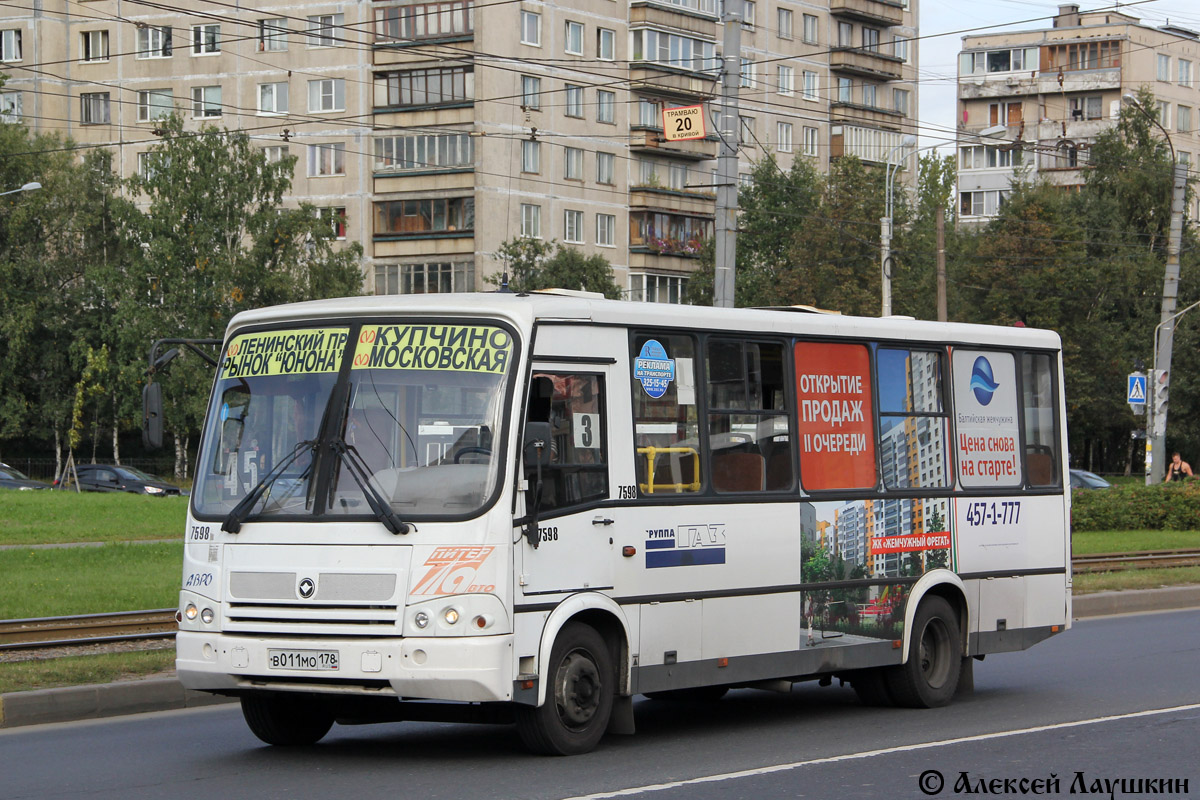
point(983, 384)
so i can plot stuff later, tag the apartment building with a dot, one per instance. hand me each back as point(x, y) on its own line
point(434, 131)
point(1042, 96)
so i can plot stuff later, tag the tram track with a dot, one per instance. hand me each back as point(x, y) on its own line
point(64, 633)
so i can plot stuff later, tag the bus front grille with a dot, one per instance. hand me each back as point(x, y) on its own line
point(333, 620)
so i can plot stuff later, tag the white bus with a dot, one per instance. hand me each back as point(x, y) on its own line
point(534, 507)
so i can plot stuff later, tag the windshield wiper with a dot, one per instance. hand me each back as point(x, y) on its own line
point(379, 506)
point(239, 513)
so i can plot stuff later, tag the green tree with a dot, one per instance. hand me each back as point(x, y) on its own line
point(534, 264)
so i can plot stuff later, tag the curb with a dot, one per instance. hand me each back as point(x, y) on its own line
point(75, 703)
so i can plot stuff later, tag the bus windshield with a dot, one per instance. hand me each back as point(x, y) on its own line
point(411, 421)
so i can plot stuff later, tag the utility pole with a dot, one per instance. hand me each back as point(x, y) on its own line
point(729, 129)
point(941, 265)
point(1156, 437)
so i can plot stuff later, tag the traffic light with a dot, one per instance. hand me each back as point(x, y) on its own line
point(1161, 396)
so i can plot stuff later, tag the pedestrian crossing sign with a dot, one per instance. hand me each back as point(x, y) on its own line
point(1136, 394)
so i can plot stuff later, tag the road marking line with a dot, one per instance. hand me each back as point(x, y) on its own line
point(749, 773)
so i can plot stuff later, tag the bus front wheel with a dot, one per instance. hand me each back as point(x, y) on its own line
point(579, 698)
point(929, 677)
point(286, 719)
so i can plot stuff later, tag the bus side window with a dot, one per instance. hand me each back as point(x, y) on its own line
point(573, 404)
point(1037, 391)
point(665, 421)
point(747, 421)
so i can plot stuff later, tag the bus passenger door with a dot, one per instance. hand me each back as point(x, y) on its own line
point(572, 548)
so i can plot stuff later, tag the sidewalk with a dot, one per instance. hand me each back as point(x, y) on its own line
point(163, 694)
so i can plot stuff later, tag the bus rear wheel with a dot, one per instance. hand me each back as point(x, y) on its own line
point(579, 698)
point(929, 677)
point(286, 719)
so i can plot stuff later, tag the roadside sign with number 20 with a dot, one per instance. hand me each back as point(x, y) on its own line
point(684, 122)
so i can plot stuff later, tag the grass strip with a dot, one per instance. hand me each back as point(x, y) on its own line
point(55, 517)
point(1135, 579)
point(89, 580)
point(22, 676)
point(1088, 542)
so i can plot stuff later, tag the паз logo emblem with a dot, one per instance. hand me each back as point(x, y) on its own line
point(982, 382)
point(307, 587)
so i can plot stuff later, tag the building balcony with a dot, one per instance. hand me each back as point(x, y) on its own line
point(664, 81)
point(675, 17)
point(672, 201)
point(650, 140)
point(1013, 84)
point(876, 12)
point(872, 116)
point(866, 63)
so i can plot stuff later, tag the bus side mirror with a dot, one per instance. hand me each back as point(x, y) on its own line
point(536, 450)
point(152, 416)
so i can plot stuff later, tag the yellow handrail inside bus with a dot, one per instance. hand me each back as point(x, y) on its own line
point(651, 454)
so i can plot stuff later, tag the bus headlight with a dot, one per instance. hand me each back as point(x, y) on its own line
point(450, 615)
point(421, 619)
point(206, 616)
point(191, 611)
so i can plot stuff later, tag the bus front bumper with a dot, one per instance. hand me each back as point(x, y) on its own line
point(472, 669)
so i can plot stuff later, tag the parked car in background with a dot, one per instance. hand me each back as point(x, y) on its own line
point(116, 478)
point(1082, 479)
point(12, 478)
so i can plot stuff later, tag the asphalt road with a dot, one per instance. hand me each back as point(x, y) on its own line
point(1113, 698)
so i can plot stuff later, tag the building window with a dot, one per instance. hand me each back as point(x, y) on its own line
point(606, 44)
point(573, 38)
point(900, 48)
point(844, 89)
point(531, 221)
point(1086, 107)
point(870, 39)
point(421, 217)
point(10, 45)
point(810, 85)
point(1185, 72)
point(605, 168)
point(154, 42)
point(147, 165)
point(900, 101)
point(531, 93)
point(783, 23)
point(326, 159)
point(273, 98)
point(869, 95)
point(1164, 112)
point(272, 35)
point(94, 108)
point(746, 132)
point(154, 104)
point(810, 141)
point(531, 28)
point(206, 40)
point(749, 14)
point(10, 107)
point(1183, 119)
point(574, 105)
point(748, 66)
point(648, 288)
point(327, 95)
point(674, 50)
point(1004, 114)
point(1007, 60)
point(606, 228)
point(322, 29)
point(606, 104)
point(982, 204)
point(1084, 55)
point(649, 114)
point(574, 164)
point(787, 80)
point(435, 278)
point(783, 137)
point(206, 101)
point(984, 157)
point(673, 234)
point(424, 21)
point(335, 218)
point(94, 45)
point(274, 153)
point(845, 34)
point(424, 151)
point(810, 29)
point(427, 87)
point(677, 177)
point(531, 156)
point(1164, 67)
point(573, 227)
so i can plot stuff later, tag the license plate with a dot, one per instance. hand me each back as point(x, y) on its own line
point(315, 660)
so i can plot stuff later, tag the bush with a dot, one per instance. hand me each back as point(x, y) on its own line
point(1169, 506)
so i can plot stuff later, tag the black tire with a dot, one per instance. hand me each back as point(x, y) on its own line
point(929, 678)
point(579, 697)
point(871, 686)
point(286, 719)
point(698, 694)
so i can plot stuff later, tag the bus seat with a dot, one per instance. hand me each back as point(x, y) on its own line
point(737, 472)
point(1041, 468)
point(779, 469)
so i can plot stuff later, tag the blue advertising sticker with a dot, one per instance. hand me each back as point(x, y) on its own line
point(654, 369)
